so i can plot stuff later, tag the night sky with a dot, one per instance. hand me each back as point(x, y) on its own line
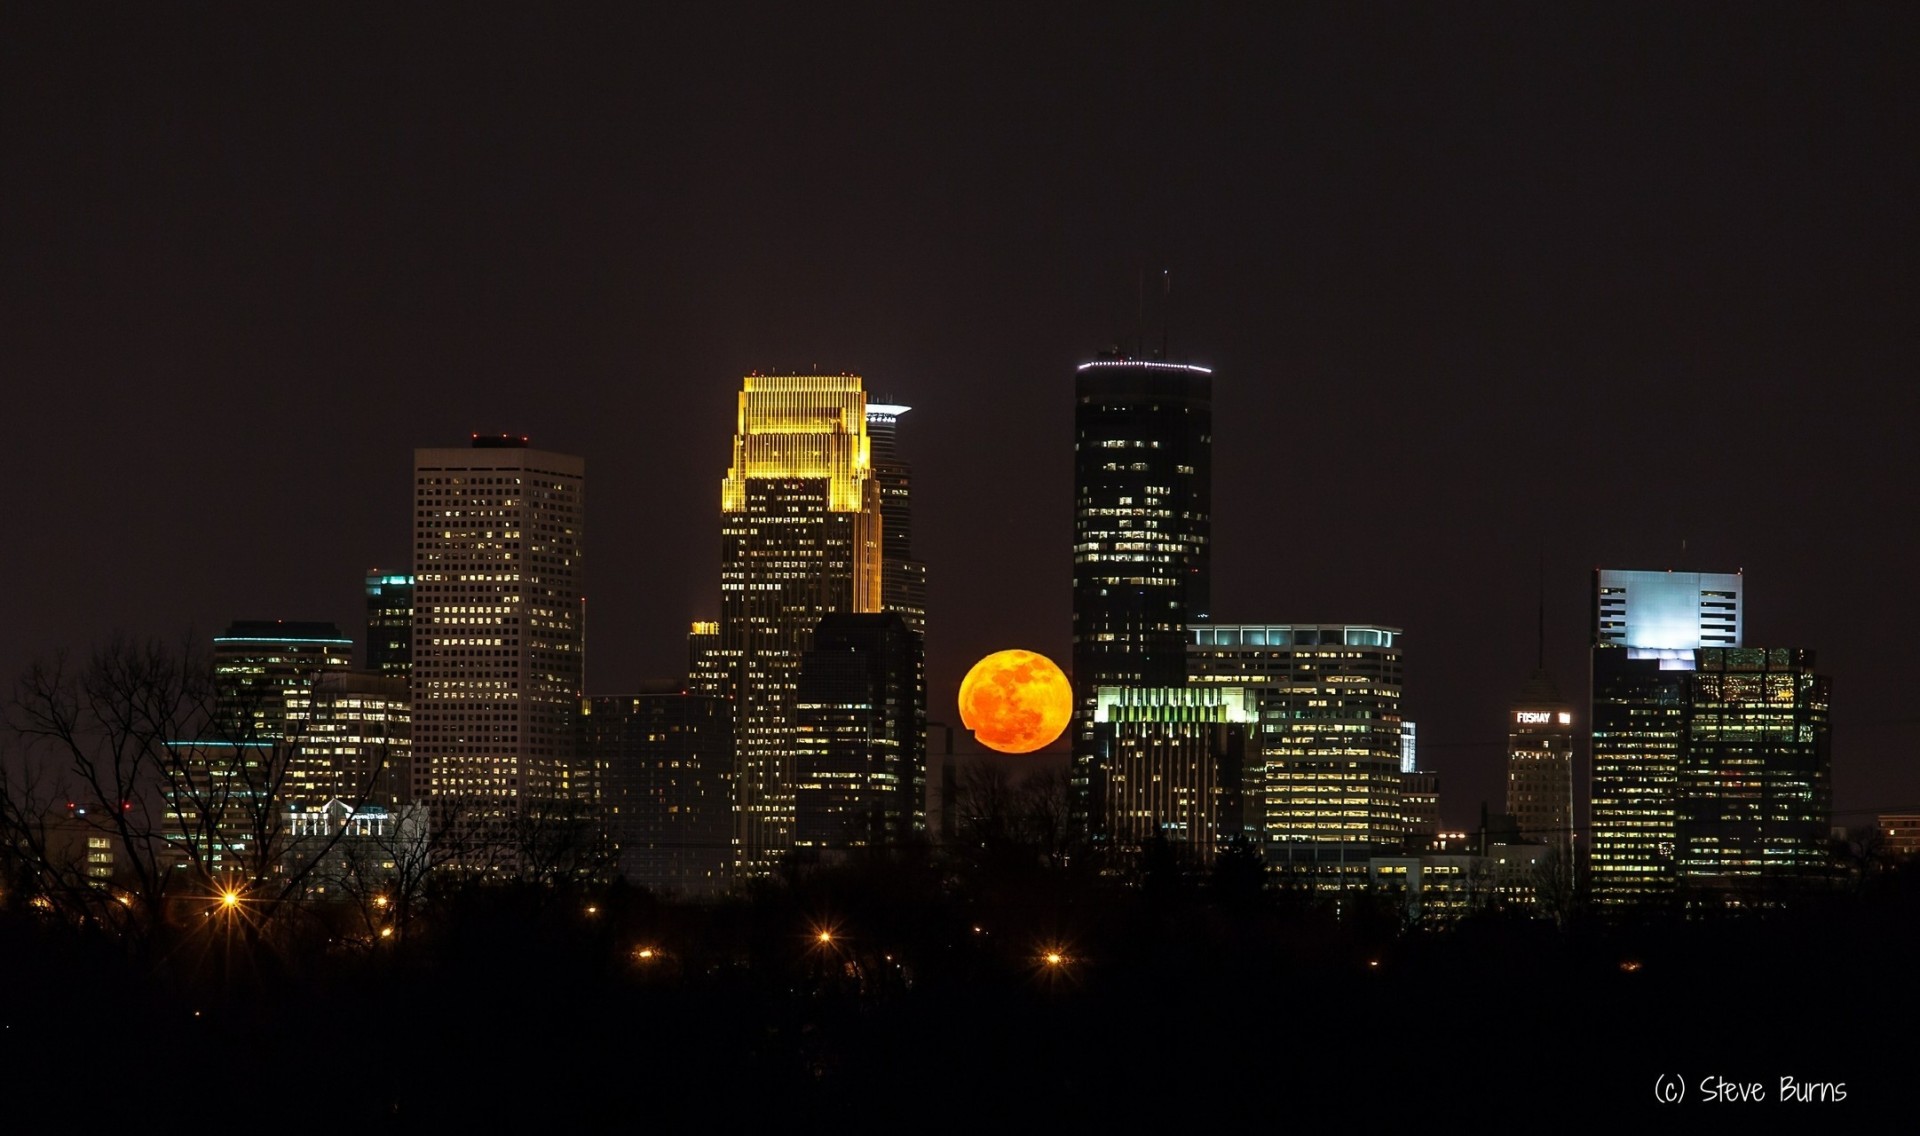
point(1485, 287)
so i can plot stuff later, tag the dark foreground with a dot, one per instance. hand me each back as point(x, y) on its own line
point(1191, 1002)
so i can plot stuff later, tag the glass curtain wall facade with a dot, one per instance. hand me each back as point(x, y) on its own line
point(1142, 533)
point(1755, 792)
point(860, 718)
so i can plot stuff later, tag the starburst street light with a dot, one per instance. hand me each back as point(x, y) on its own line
point(1054, 959)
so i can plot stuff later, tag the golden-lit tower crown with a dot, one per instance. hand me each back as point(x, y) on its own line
point(803, 427)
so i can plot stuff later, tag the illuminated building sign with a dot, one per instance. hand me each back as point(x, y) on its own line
point(1541, 718)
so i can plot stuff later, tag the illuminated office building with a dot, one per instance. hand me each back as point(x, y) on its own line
point(1143, 490)
point(1171, 765)
point(1540, 764)
point(708, 671)
point(1900, 834)
point(1646, 628)
point(497, 628)
point(1639, 732)
point(903, 580)
point(355, 744)
point(82, 844)
point(801, 536)
point(389, 622)
point(663, 760)
point(1755, 795)
point(860, 761)
point(1420, 808)
point(264, 670)
point(1329, 744)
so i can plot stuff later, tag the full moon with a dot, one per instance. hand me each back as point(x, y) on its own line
point(1015, 701)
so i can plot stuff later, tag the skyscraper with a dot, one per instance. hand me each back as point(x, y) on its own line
point(1143, 490)
point(389, 622)
point(1327, 785)
point(1540, 764)
point(664, 759)
point(355, 744)
point(264, 671)
point(223, 792)
point(860, 760)
point(1646, 628)
point(497, 636)
point(801, 538)
point(1639, 730)
point(903, 586)
point(1755, 792)
point(1172, 766)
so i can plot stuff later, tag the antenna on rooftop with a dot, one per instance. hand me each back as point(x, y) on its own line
point(1166, 309)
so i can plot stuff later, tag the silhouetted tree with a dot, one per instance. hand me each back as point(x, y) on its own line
point(132, 748)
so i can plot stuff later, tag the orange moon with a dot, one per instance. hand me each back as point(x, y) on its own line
point(1015, 701)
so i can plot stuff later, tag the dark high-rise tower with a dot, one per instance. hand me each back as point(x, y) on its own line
point(1143, 493)
point(663, 758)
point(390, 622)
point(860, 757)
point(1755, 792)
point(264, 671)
point(903, 580)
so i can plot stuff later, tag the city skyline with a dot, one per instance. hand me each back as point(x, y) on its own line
point(504, 498)
point(1477, 301)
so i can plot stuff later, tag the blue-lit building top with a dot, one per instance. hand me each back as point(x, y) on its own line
point(1667, 611)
